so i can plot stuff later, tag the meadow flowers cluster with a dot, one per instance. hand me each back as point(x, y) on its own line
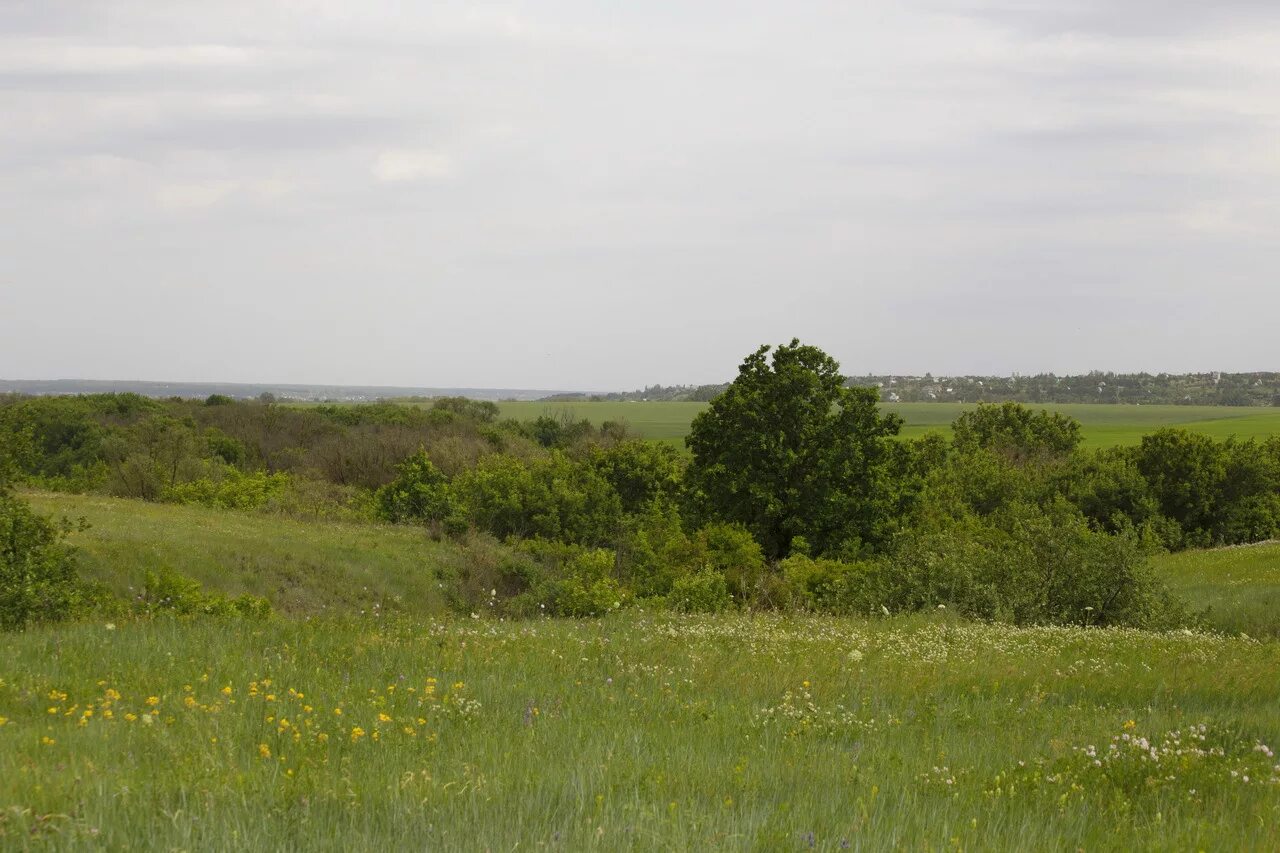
point(796, 715)
point(262, 719)
point(1131, 768)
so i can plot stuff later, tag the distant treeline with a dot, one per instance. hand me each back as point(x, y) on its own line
point(252, 391)
point(1187, 389)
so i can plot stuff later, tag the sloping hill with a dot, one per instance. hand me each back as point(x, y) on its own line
point(301, 567)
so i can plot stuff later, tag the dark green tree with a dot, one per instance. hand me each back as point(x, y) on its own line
point(788, 451)
point(1185, 472)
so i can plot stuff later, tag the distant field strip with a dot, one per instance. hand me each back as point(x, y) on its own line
point(1104, 425)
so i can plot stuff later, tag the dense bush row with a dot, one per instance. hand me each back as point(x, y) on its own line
point(796, 494)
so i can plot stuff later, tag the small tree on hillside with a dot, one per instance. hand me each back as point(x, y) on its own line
point(788, 451)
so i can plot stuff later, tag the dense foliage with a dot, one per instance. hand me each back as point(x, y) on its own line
point(788, 451)
point(797, 493)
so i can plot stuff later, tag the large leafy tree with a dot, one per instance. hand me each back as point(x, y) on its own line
point(789, 451)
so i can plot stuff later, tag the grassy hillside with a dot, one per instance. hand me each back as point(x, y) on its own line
point(1240, 586)
point(1104, 425)
point(301, 567)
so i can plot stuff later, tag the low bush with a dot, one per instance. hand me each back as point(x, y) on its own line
point(167, 591)
point(700, 592)
point(229, 488)
point(419, 493)
point(38, 580)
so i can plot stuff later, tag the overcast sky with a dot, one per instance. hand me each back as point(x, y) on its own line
point(604, 194)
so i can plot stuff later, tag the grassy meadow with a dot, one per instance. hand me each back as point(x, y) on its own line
point(345, 726)
point(1104, 425)
point(302, 568)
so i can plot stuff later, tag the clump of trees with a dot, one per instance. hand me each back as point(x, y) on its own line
point(796, 493)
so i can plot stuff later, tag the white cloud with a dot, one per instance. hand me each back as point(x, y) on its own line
point(45, 55)
point(204, 194)
point(407, 165)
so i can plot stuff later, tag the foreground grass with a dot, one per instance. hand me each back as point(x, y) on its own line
point(1104, 425)
point(635, 732)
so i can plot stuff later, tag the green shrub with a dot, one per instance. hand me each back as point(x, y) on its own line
point(730, 551)
point(581, 597)
point(552, 497)
point(1253, 518)
point(1016, 432)
point(310, 499)
point(167, 591)
point(822, 585)
point(653, 550)
point(419, 493)
point(1025, 565)
point(229, 488)
point(700, 592)
point(641, 472)
point(38, 581)
point(571, 580)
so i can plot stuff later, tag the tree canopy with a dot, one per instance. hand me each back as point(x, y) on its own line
point(788, 451)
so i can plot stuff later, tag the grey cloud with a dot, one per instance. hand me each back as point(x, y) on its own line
point(1124, 17)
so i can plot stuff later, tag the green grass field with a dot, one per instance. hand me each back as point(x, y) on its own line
point(1104, 425)
point(1240, 586)
point(350, 731)
point(303, 568)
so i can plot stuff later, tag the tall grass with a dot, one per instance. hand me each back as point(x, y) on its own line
point(634, 732)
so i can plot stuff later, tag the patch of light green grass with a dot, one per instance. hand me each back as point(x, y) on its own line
point(1239, 586)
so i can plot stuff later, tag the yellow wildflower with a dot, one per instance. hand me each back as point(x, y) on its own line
point(153, 701)
point(356, 733)
point(264, 751)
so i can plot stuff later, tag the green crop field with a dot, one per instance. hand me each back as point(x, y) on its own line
point(399, 727)
point(1104, 425)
